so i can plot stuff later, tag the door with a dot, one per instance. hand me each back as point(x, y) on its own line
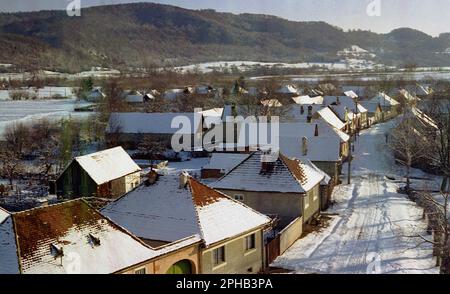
point(182, 267)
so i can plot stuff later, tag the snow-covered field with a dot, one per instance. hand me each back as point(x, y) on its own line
point(27, 111)
point(345, 64)
point(374, 226)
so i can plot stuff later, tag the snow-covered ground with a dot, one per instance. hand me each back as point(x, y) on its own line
point(374, 224)
point(27, 111)
point(344, 64)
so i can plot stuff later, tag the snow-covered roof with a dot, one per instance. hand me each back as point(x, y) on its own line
point(225, 161)
point(90, 243)
point(326, 149)
point(285, 176)
point(172, 94)
point(271, 103)
point(108, 165)
point(287, 89)
point(351, 94)
point(371, 107)
point(8, 248)
point(358, 90)
point(384, 100)
point(299, 130)
point(408, 96)
point(212, 116)
point(299, 112)
point(151, 123)
point(326, 178)
point(4, 214)
point(165, 212)
point(307, 100)
point(346, 101)
point(330, 117)
point(424, 118)
point(138, 98)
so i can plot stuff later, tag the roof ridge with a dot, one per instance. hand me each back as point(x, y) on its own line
point(286, 160)
point(234, 168)
point(45, 207)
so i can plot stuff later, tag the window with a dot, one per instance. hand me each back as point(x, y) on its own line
point(306, 201)
point(239, 197)
point(315, 194)
point(140, 271)
point(250, 242)
point(219, 255)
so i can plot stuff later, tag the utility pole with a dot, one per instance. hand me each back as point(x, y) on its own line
point(349, 160)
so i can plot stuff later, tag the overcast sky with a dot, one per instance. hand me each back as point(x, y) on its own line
point(430, 16)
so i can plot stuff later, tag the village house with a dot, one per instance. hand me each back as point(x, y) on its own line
point(221, 163)
point(136, 97)
point(286, 188)
point(108, 174)
point(381, 107)
point(129, 129)
point(404, 96)
point(351, 94)
point(320, 143)
point(348, 109)
point(307, 100)
point(330, 116)
point(74, 238)
point(170, 208)
point(360, 91)
point(288, 91)
point(95, 95)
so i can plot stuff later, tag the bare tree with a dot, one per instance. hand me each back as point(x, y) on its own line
point(10, 164)
point(408, 144)
point(151, 148)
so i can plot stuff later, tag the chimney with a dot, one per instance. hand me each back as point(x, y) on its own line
point(316, 131)
point(302, 109)
point(184, 177)
point(152, 177)
point(309, 118)
point(338, 102)
point(304, 146)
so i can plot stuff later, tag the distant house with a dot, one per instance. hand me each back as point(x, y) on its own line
point(287, 188)
point(271, 103)
point(404, 96)
point(74, 238)
point(211, 117)
point(288, 90)
point(136, 97)
point(95, 95)
point(351, 94)
point(221, 163)
point(176, 208)
point(108, 174)
point(348, 110)
point(332, 118)
point(360, 91)
point(302, 113)
point(375, 112)
point(129, 129)
point(204, 90)
point(419, 90)
point(320, 143)
point(173, 94)
point(307, 100)
point(386, 103)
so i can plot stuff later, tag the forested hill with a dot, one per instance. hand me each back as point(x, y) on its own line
point(146, 34)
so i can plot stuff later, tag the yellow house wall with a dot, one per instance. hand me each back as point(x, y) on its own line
point(286, 205)
point(237, 260)
point(313, 197)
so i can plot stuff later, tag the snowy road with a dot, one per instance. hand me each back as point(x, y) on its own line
point(370, 234)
